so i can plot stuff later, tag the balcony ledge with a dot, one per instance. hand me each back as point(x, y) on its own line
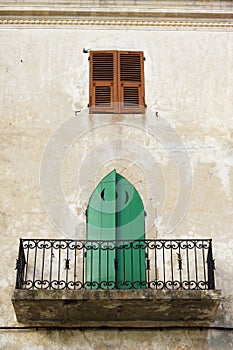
point(116, 308)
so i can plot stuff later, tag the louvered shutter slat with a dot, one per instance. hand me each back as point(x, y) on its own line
point(102, 81)
point(130, 67)
point(131, 82)
point(131, 96)
point(103, 67)
point(103, 96)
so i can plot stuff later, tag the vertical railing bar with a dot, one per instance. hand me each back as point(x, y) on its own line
point(124, 260)
point(132, 262)
point(67, 264)
point(42, 268)
point(156, 267)
point(84, 250)
point(140, 261)
point(20, 266)
point(34, 270)
point(92, 247)
point(59, 265)
point(75, 262)
point(187, 259)
point(51, 268)
point(211, 267)
point(116, 256)
point(99, 272)
point(196, 272)
point(148, 269)
point(172, 271)
point(181, 279)
point(204, 268)
point(26, 270)
point(164, 272)
point(107, 265)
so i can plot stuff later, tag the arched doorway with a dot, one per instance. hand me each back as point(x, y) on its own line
point(115, 215)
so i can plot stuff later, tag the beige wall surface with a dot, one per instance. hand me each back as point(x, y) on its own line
point(92, 339)
point(189, 82)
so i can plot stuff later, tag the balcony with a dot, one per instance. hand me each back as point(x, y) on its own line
point(115, 283)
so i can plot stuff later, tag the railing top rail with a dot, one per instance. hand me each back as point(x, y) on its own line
point(116, 240)
point(79, 244)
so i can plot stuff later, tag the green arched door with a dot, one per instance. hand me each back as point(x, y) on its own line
point(115, 213)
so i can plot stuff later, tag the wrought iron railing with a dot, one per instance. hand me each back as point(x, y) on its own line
point(79, 264)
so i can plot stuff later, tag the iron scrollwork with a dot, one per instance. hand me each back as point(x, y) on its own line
point(169, 264)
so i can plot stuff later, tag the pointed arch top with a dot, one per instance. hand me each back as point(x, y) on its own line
point(115, 210)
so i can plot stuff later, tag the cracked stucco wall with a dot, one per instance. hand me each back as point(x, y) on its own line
point(189, 81)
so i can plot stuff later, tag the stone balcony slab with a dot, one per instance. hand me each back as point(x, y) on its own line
point(116, 308)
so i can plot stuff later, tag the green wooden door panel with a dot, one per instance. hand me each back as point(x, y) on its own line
point(129, 226)
point(101, 218)
point(115, 212)
point(101, 225)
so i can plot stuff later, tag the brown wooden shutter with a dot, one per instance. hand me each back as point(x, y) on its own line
point(116, 82)
point(103, 81)
point(131, 82)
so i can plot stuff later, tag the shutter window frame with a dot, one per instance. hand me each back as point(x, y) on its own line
point(112, 83)
point(124, 76)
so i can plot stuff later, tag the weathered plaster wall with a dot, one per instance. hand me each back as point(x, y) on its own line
point(115, 339)
point(44, 80)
